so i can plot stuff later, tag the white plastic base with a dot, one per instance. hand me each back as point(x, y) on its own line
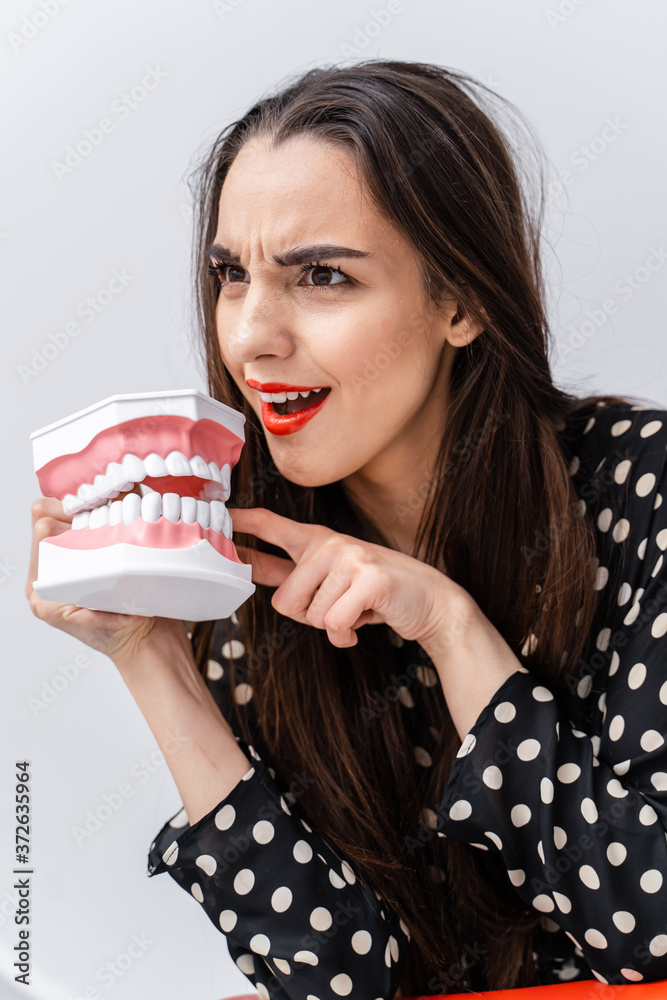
point(189, 584)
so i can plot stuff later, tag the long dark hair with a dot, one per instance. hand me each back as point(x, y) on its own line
point(441, 169)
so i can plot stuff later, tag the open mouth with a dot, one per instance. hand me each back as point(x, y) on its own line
point(146, 477)
point(293, 402)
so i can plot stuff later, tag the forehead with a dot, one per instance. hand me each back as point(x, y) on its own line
point(305, 188)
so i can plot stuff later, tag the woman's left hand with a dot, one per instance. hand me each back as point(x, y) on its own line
point(338, 582)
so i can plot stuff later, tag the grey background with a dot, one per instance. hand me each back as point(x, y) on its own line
point(125, 207)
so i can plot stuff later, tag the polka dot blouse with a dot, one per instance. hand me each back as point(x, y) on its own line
point(566, 790)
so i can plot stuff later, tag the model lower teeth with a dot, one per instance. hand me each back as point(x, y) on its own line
point(152, 506)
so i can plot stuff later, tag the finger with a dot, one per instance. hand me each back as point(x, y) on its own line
point(43, 527)
point(292, 536)
point(267, 569)
point(314, 603)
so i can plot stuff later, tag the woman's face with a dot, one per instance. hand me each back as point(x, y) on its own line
point(368, 333)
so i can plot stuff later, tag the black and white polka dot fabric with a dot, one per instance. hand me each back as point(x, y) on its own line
point(566, 790)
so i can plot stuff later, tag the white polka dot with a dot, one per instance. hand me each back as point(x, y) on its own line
point(632, 974)
point(560, 837)
point(492, 776)
point(196, 891)
point(178, 821)
point(233, 649)
point(207, 863)
point(422, 756)
point(595, 939)
point(467, 745)
point(341, 984)
point(171, 854)
point(321, 919)
point(393, 947)
point(624, 921)
point(589, 810)
point(348, 874)
point(517, 876)
point(637, 676)
point(620, 427)
point(604, 519)
point(647, 815)
point(621, 530)
point(429, 818)
point(528, 749)
point(658, 946)
point(494, 838)
point(547, 790)
point(460, 810)
point(543, 903)
point(214, 670)
point(562, 902)
point(622, 767)
point(613, 663)
point(621, 471)
point(616, 853)
point(227, 920)
point(659, 781)
point(260, 944)
point(505, 711)
point(540, 693)
point(662, 694)
point(599, 977)
point(624, 594)
point(225, 817)
point(651, 880)
point(651, 740)
point(246, 964)
point(520, 814)
point(361, 942)
point(302, 852)
point(282, 965)
point(244, 881)
point(584, 686)
point(306, 956)
point(615, 788)
point(427, 675)
point(645, 484)
point(568, 773)
point(616, 727)
point(405, 697)
point(283, 805)
point(263, 831)
point(335, 879)
point(659, 626)
point(281, 899)
point(589, 877)
point(242, 694)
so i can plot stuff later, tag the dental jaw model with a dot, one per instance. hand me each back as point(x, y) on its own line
point(167, 552)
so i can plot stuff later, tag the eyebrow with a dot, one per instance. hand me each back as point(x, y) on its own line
point(298, 255)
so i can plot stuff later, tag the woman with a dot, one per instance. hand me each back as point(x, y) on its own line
point(452, 797)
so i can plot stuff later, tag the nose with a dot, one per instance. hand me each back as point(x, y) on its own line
point(262, 327)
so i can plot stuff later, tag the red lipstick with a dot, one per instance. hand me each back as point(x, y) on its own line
point(288, 423)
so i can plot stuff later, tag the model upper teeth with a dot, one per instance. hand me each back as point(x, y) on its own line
point(121, 477)
point(151, 506)
point(282, 397)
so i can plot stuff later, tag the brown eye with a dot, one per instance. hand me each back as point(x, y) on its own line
point(325, 276)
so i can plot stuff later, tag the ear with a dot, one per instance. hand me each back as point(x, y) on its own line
point(462, 327)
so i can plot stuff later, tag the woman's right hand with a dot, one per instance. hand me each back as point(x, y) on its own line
point(118, 636)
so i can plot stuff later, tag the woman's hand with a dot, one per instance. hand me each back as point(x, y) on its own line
point(116, 635)
point(339, 583)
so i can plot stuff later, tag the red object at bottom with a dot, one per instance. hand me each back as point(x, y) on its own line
point(589, 989)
